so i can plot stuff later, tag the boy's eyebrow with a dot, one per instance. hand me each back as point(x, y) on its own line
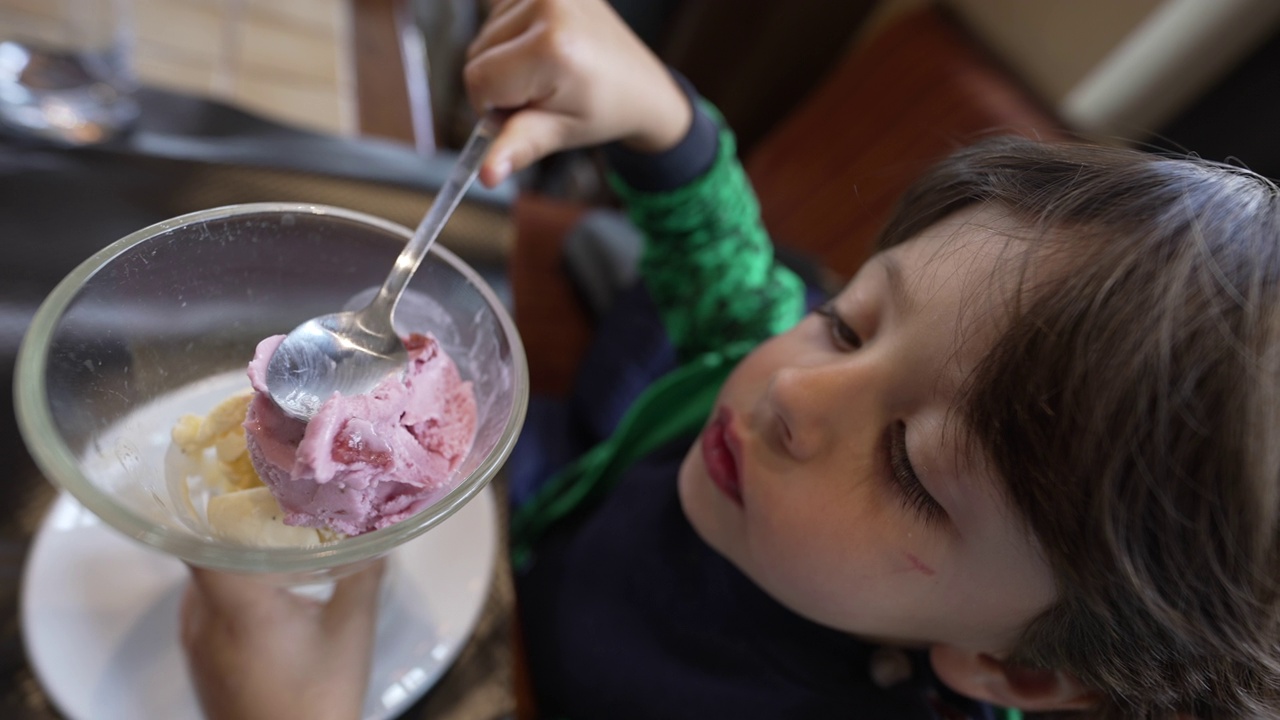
point(897, 284)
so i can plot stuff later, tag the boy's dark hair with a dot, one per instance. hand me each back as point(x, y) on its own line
point(1133, 409)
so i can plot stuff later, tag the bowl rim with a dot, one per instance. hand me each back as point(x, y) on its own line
point(61, 467)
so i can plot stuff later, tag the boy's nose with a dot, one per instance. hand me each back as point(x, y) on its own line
point(804, 405)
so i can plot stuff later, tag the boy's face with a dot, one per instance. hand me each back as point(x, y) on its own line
point(834, 474)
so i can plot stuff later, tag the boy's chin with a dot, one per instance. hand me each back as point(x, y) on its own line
point(703, 506)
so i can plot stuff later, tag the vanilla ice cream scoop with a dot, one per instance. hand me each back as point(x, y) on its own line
point(239, 508)
point(253, 517)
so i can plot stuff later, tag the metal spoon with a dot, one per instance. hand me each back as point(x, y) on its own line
point(351, 352)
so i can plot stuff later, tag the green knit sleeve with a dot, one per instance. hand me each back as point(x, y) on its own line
point(708, 262)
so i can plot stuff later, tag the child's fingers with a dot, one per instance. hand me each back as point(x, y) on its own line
point(229, 590)
point(502, 26)
point(526, 137)
point(192, 617)
point(504, 77)
point(497, 7)
point(353, 607)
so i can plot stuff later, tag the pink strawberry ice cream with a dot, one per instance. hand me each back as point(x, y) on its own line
point(364, 461)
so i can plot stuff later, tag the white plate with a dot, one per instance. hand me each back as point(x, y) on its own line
point(100, 615)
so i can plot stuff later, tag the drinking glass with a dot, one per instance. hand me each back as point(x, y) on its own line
point(65, 71)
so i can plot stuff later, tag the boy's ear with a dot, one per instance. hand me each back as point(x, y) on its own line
point(983, 677)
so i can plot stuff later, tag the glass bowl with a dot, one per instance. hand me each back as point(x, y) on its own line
point(163, 323)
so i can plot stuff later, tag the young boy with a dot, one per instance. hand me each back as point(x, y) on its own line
point(1022, 460)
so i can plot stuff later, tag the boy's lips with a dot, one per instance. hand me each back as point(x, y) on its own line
point(720, 453)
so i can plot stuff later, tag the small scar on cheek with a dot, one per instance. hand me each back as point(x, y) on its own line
point(918, 565)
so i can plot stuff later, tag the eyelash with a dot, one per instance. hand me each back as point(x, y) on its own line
point(914, 495)
point(843, 336)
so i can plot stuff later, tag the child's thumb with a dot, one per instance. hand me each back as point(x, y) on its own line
point(526, 137)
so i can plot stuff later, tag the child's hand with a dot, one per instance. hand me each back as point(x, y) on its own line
point(259, 651)
point(576, 76)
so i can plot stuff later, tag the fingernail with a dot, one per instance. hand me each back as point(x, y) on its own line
point(502, 168)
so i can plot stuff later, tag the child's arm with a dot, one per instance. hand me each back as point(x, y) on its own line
point(708, 262)
point(575, 75)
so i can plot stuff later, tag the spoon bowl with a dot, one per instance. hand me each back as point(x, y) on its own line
point(347, 353)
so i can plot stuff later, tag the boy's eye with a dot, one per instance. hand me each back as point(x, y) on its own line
point(914, 495)
point(842, 335)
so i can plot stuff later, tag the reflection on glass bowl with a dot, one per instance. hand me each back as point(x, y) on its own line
point(163, 322)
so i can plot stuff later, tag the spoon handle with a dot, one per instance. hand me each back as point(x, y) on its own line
point(455, 186)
